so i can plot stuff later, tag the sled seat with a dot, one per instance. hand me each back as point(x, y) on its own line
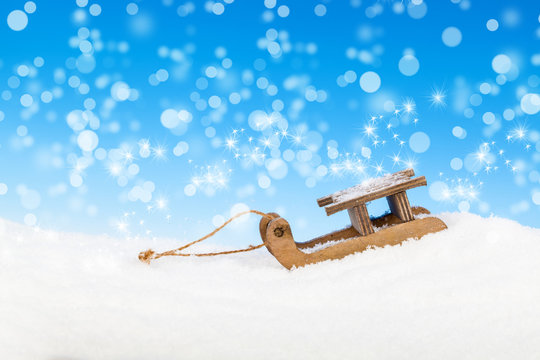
point(392, 186)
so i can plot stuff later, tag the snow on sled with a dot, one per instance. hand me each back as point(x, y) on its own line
point(394, 228)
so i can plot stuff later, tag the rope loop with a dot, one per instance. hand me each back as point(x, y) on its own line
point(148, 255)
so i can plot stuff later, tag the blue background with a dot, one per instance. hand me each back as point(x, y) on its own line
point(38, 149)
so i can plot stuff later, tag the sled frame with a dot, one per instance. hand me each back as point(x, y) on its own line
point(397, 226)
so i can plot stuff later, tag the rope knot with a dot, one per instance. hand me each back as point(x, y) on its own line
point(146, 256)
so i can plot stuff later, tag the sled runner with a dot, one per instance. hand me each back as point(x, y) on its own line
point(390, 229)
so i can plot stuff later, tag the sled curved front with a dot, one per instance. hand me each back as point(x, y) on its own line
point(280, 243)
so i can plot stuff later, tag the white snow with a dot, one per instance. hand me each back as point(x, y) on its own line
point(369, 186)
point(470, 292)
point(322, 246)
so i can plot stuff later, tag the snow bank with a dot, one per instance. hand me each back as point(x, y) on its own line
point(471, 292)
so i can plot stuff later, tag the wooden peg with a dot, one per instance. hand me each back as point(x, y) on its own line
point(360, 219)
point(399, 206)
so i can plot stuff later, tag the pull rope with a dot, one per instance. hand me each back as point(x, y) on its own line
point(149, 255)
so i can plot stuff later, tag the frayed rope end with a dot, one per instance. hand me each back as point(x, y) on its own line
point(146, 256)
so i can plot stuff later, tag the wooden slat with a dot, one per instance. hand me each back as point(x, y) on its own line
point(327, 200)
point(360, 219)
point(390, 190)
point(399, 206)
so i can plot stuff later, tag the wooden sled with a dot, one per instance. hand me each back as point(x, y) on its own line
point(393, 228)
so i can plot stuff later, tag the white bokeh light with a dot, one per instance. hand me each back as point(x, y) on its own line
point(536, 197)
point(464, 206)
point(417, 11)
point(76, 180)
point(492, 25)
point(264, 182)
point(170, 119)
point(17, 20)
point(30, 7)
point(370, 82)
point(132, 9)
point(27, 100)
point(190, 190)
point(30, 199)
point(320, 10)
point(120, 91)
point(419, 142)
point(408, 65)
point(459, 132)
point(87, 140)
point(277, 168)
point(283, 11)
point(530, 103)
point(451, 36)
point(501, 64)
point(218, 8)
point(456, 164)
point(438, 191)
point(94, 9)
point(270, 4)
point(30, 219)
